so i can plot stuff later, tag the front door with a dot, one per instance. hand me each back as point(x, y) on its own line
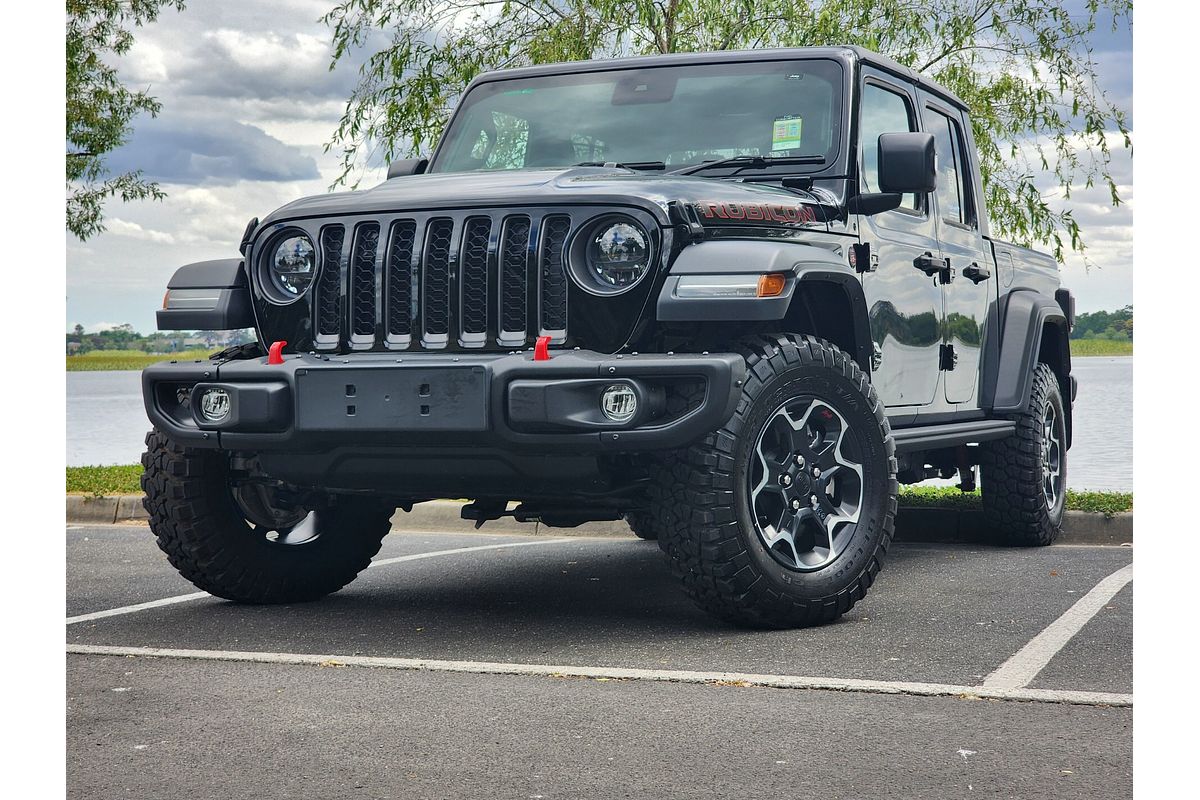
point(905, 303)
point(972, 285)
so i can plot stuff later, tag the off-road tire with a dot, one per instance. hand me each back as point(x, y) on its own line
point(642, 525)
point(199, 527)
point(702, 511)
point(1015, 507)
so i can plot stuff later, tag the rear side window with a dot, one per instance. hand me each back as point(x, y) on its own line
point(883, 111)
point(953, 201)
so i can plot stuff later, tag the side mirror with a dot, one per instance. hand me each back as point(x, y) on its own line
point(906, 163)
point(407, 166)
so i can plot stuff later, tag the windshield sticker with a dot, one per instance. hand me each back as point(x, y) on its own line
point(785, 135)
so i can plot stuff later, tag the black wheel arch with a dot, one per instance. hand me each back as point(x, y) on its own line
point(1032, 329)
point(822, 296)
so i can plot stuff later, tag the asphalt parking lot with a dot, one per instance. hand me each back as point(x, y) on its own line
point(471, 665)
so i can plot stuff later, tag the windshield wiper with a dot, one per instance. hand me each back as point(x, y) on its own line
point(747, 161)
point(625, 164)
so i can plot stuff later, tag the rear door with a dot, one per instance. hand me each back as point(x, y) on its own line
point(972, 285)
point(905, 304)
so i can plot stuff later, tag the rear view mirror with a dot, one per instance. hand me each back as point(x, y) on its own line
point(906, 163)
point(407, 166)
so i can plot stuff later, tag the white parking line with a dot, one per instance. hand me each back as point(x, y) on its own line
point(1026, 663)
point(418, 556)
point(115, 612)
point(620, 673)
point(183, 598)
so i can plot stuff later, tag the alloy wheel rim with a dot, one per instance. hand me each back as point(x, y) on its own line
point(806, 484)
point(278, 525)
point(1052, 454)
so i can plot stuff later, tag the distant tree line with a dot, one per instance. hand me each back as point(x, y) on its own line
point(1114, 325)
point(124, 337)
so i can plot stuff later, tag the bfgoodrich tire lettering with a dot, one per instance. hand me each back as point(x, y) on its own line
point(208, 539)
point(1015, 471)
point(702, 495)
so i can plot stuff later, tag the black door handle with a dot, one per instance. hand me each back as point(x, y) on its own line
point(931, 266)
point(976, 273)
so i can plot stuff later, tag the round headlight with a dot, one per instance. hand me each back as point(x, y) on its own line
point(293, 263)
point(617, 254)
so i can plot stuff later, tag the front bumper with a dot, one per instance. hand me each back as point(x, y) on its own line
point(313, 403)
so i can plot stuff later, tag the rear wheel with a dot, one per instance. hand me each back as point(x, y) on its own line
point(783, 516)
point(1024, 476)
point(240, 542)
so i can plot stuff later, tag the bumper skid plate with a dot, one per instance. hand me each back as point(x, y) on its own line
point(311, 403)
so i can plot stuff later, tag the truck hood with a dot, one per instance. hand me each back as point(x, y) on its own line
point(716, 201)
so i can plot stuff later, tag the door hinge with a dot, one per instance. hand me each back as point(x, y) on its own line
point(947, 358)
point(931, 265)
point(862, 259)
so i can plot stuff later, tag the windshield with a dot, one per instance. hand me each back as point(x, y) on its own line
point(658, 118)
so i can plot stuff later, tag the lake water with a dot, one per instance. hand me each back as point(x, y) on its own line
point(106, 422)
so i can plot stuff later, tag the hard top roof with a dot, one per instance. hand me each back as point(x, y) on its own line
point(845, 53)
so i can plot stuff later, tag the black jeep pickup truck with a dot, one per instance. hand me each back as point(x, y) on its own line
point(733, 298)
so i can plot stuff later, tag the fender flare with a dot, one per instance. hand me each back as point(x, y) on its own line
point(1024, 315)
point(208, 295)
point(804, 264)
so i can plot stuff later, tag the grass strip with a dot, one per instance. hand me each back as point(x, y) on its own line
point(1107, 503)
point(129, 359)
point(101, 481)
point(1083, 348)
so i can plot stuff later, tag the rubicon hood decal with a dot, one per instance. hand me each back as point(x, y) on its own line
point(787, 214)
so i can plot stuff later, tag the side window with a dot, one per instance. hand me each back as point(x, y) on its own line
point(953, 198)
point(883, 111)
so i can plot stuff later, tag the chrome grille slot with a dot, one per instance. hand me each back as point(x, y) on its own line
point(329, 287)
point(474, 282)
point(363, 253)
point(552, 286)
point(514, 274)
point(435, 289)
point(401, 279)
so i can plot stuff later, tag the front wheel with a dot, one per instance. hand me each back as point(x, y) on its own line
point(237, 542)
point(783, 516)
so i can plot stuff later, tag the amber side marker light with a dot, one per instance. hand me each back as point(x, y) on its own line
point(770, 285)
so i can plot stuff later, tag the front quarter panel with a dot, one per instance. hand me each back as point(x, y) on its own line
point(804, 265)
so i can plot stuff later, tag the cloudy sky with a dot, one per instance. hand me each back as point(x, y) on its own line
point(248, 102)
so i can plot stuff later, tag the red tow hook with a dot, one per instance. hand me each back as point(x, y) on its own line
point(541, 349)
point(275, 354)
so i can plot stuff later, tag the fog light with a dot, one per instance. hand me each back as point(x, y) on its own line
point(619, 402)
point(214, 404)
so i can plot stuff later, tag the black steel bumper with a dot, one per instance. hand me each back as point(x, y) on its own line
point(315, 403)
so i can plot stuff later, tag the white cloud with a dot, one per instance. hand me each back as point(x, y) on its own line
point(146, 62)
point(119, 227)
point(270, 52)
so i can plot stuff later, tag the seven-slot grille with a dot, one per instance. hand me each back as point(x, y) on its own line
point(437, 281)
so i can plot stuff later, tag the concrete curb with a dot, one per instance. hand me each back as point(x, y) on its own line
point(912, 524)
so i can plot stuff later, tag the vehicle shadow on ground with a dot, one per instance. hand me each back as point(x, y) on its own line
point(618, 591)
